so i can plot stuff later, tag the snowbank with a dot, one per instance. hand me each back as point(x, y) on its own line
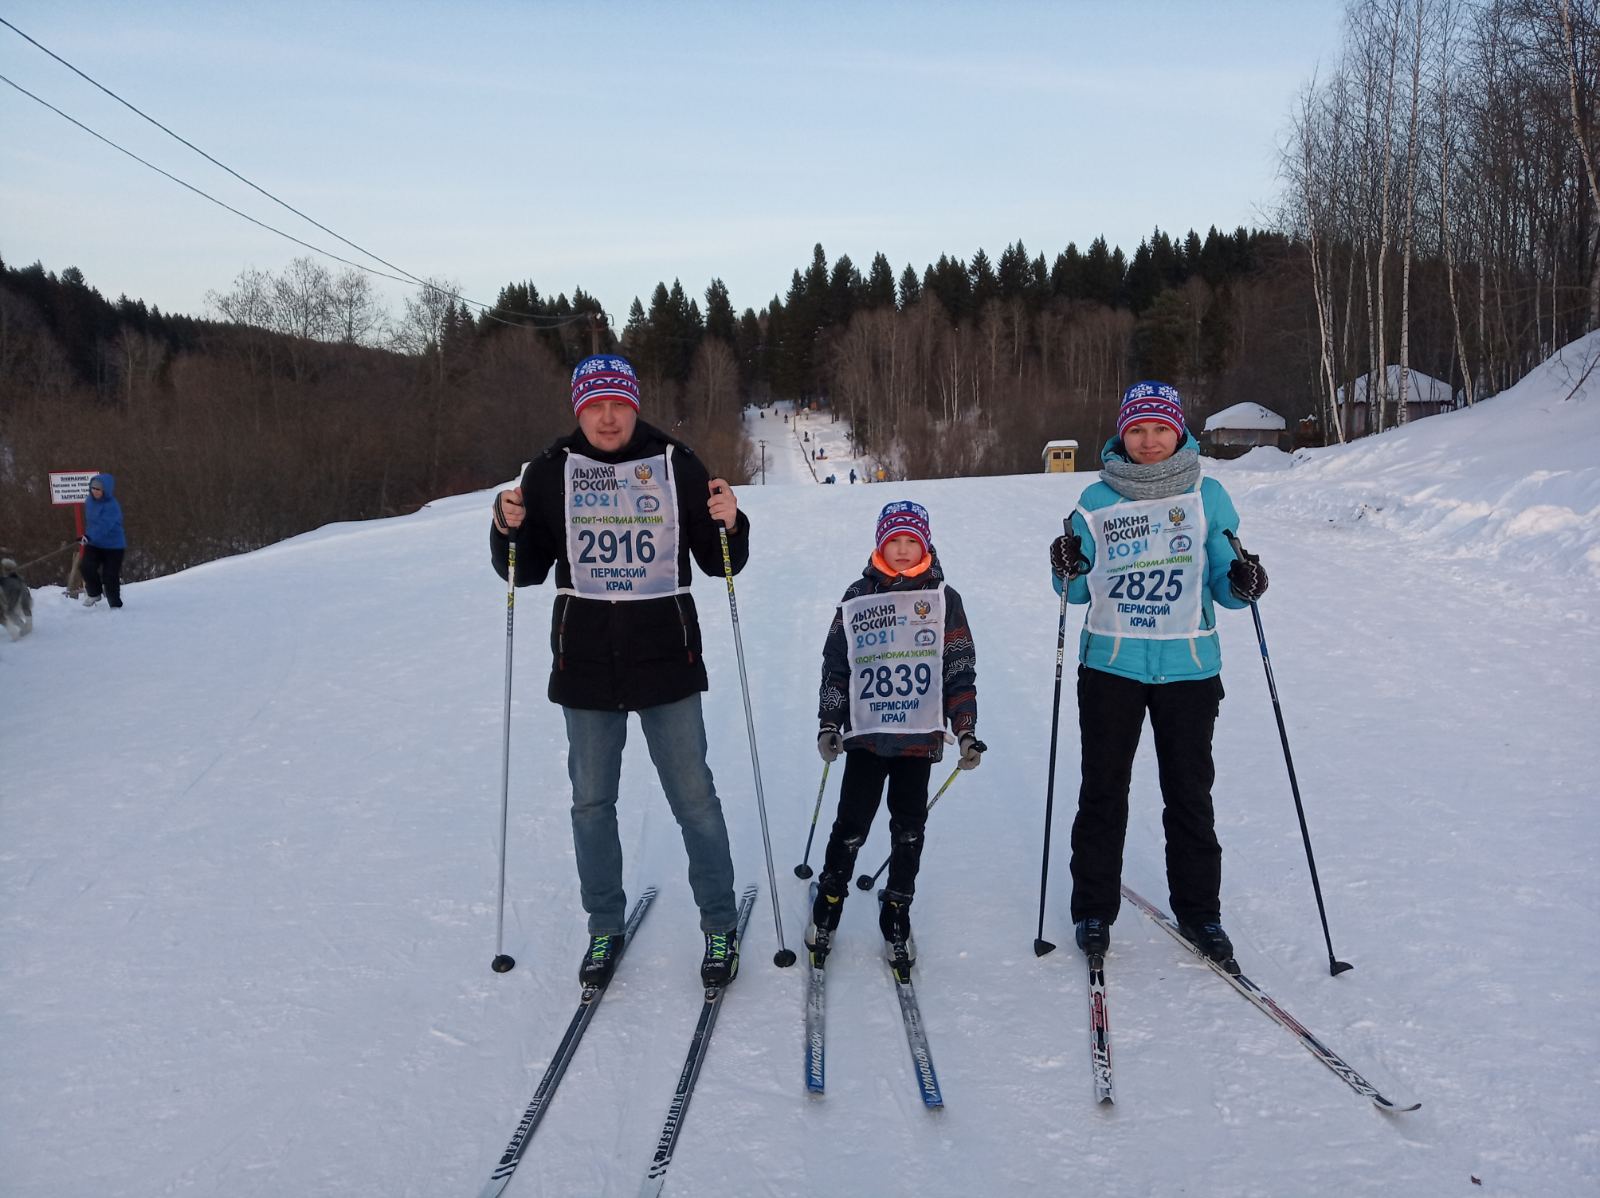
point(1512, 483)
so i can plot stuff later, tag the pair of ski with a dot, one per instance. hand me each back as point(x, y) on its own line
point(1100, 1027)
point(900, 963)
point(588, 1002)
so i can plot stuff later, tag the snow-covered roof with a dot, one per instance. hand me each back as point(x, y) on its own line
point(1061, 445)
point(1419, 386)
point(1245, 415)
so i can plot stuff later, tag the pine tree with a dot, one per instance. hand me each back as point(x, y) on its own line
point(1143, 282)
point(910, 287)
point(1216, 333)
point(1102, 274)
point(880, 284)
point(950, 283)
point(844, 289)
point(985, 284)
point(636, 336)
point(1164, 257)
point(1066, 274)
point(1014, 273)
point(797, 338)
point(720, 321)
point(1038, 280)
point(1161, 339)
point(747, 347)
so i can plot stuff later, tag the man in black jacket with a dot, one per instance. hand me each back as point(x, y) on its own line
point(618, 508)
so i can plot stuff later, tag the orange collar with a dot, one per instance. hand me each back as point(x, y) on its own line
point(915, 571)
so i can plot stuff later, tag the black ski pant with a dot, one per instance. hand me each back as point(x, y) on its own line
point(859, 794)
point(102, 573)
point(1111, 712)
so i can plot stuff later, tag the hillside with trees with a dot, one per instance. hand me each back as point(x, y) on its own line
point(1440, 214)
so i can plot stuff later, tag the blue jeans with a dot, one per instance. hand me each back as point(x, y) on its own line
point(676, 734)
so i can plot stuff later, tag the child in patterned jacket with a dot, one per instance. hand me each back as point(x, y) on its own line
point(899, 664)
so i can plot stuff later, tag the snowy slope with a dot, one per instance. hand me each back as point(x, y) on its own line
point(1511, 483)
point(793, 435)
point(248, 850)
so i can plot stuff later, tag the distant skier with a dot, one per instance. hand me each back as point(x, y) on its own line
point(1148, 555)
point(852, 474)
point(618, 508)
point(898, 664)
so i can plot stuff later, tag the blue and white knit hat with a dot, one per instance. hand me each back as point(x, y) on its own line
point(904, 519)
point(604, 376)
point(1151, 401)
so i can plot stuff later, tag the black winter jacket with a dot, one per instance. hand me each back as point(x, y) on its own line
point(960, 668)
point(619, 655)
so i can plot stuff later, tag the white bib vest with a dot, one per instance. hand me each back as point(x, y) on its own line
point(895, 643)
point(622, 527)
point(1148, 578)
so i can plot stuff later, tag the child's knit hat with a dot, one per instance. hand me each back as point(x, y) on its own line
point(904, 519)
point(1151, 401)
point(604, 376)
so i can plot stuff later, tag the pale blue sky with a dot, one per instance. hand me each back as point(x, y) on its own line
point(614, 145)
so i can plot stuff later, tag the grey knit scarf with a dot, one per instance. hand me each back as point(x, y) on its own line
point(1177, 474)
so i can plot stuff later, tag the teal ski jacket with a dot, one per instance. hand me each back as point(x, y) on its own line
point(1155, 661)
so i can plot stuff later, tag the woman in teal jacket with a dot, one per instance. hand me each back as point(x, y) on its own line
point(1148, 553)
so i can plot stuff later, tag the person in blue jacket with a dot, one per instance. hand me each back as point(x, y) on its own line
point(1148, 553)
point(103, 544)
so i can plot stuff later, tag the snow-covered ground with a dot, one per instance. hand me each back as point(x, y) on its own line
point(248, 845)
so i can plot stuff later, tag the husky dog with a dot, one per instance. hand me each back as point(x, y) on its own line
point(16, 601)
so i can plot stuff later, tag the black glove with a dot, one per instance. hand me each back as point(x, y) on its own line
point(972, 750)
point(500, 524)
point(829, 743)
point(1247, 578)
point(1066, 556)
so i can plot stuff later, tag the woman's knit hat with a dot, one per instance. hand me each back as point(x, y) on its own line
point(1151, 401)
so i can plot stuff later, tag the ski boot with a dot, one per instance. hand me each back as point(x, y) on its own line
point(894, 921)
point(600, 962)
point(1213, 943)
point(825, 911)
point(1093, 936)
point(720, 965)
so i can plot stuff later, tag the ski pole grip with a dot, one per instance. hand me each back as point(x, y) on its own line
point(1244, 554)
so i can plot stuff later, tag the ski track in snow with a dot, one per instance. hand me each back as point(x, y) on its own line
point(248, 850)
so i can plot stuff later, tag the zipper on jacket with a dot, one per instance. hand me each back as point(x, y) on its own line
point(561, 634)
point(683, 624)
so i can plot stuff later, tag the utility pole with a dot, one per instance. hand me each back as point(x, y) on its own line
point(597, 325)
point(763, 445)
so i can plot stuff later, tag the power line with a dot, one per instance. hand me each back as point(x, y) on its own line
point(196, 190)
point(224, 166)
point(539, 320)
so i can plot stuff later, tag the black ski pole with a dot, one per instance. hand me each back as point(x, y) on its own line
point(803, 870)
point(784, 957)
point(1041, 946)
point(503, 963)
point(867, 881)
point(1335, 966)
